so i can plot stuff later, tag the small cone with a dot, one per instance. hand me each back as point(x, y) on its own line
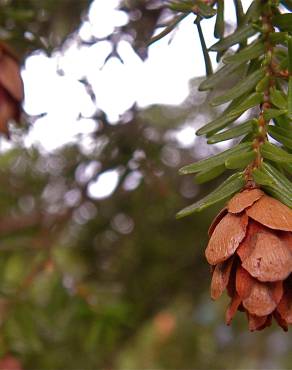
point(11, 88)
point(250, 250)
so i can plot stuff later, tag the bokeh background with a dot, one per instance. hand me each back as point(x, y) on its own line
point(95, 271)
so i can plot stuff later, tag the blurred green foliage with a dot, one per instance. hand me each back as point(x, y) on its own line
point(116, 283)
point(34, 24)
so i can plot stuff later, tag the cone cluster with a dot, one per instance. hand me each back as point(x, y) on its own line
point(250, 250)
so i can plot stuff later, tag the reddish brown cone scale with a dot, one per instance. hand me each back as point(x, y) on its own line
point(226, 238)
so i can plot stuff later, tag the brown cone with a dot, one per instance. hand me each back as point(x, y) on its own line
point(11, 88)
point(250, 249)
point(10, 362)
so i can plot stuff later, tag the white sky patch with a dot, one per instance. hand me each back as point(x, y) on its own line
point(132, 181)
point(78, 62)
point(103, 17)
point(116, 85)
point(104, 186)
point(186, 136)
point(167, 71)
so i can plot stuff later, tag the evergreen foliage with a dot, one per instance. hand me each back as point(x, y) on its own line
point(263, 40)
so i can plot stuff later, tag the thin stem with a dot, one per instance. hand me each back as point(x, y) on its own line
point(268, 63)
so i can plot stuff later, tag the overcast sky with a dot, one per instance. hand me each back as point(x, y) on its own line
point(162, 79)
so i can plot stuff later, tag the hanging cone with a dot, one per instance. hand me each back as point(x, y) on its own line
point(250, 250)
point(11, 88)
